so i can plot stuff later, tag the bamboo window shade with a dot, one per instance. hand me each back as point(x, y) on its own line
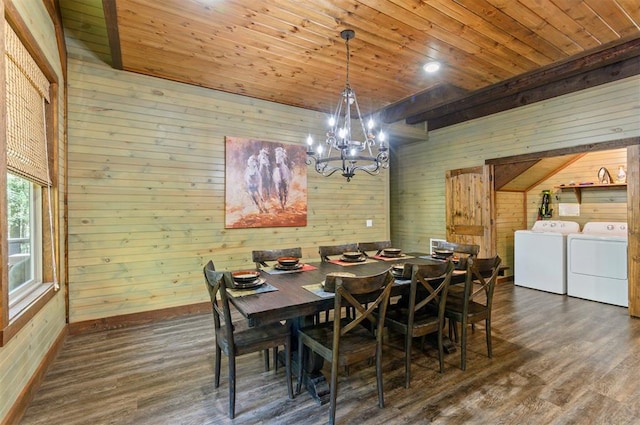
point(27, 89)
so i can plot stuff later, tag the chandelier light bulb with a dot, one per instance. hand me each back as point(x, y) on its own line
point(381, 136)
point(309, 140)
point(332, 121)
point(370, 124)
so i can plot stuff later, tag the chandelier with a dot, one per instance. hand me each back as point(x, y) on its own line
point(342, 152)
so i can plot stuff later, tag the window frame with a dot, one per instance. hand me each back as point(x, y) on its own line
point(15, 317)
point(35, 241)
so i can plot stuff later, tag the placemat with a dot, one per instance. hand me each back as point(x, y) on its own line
point(317, 289)
point(237, 293)
point(304, 268)
point(349, 263)
point(399, 257)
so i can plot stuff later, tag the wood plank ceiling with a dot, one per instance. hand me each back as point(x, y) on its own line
point(495, 54)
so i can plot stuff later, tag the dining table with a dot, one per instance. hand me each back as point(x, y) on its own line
point(297, 296)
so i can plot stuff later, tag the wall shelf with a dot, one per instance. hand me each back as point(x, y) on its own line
point(578, 188)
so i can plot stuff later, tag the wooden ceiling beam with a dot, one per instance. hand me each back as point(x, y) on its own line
point(597, 67)
point(609, 73)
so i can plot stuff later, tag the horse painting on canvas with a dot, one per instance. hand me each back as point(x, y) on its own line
point(266, 184)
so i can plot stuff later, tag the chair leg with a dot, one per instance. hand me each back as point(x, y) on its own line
point(232, 386)
point(333, 393)
point(463, 346)
point(488, 331)
point(266, 360)
point(407, 359)
point(441, 349)
point(379, 374)
point(453, 326)
point(300, 358)
point(218, 364)
point(275, 359)
point(287, 365)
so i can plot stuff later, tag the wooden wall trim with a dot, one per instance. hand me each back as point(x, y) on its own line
point(28, 392)
point(633, 223)
point(125, 320)
point(589, 147)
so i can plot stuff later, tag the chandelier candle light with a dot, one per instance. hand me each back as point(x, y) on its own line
point(349, 155)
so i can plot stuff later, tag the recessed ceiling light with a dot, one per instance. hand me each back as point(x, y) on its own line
point(431, 66)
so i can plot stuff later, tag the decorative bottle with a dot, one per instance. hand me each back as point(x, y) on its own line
point(621, 177)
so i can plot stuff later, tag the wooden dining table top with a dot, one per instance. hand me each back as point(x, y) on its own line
point(292, 300)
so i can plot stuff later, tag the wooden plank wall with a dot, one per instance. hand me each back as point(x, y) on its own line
point(146, 183)
point(510, 216)
point(606, 112)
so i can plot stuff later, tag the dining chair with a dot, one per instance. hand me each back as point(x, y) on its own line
point(348, 340)
point(377, 247)
point(424, 313)
point(236, 339)
point(260, 257)
point(474, 303)
point(330, 250)
point(460, 250)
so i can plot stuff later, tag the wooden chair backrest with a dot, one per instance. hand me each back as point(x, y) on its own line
point(326, 251)
point(462, 251)
point(359, 292)
point(433, 281)
point(217, 283)
point(260, 257)
point(482, 275)
point(377, 247)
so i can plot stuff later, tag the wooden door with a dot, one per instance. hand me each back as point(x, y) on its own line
point(470, 208)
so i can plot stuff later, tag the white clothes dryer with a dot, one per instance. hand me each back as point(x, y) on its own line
point(540, 255)
point(597, 263)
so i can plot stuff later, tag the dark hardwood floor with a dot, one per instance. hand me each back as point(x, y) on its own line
point(557, 360)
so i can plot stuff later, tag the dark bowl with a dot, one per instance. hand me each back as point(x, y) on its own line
point(391, 251)
point(245, 276)
point(352, 254)
point(288, 261)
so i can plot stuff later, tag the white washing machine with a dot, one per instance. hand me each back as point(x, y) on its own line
point(597, 263)
point(540, 255)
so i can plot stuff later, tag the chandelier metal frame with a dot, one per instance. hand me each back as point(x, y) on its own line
point(344, 154)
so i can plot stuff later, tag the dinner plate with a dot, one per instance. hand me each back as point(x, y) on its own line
point(249, 285)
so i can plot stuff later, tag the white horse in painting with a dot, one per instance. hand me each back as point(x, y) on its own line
point(252, 183)
point(281, 176)
point(264, 165)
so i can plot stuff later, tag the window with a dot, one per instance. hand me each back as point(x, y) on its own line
point(25, 241)
point(29, 181)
